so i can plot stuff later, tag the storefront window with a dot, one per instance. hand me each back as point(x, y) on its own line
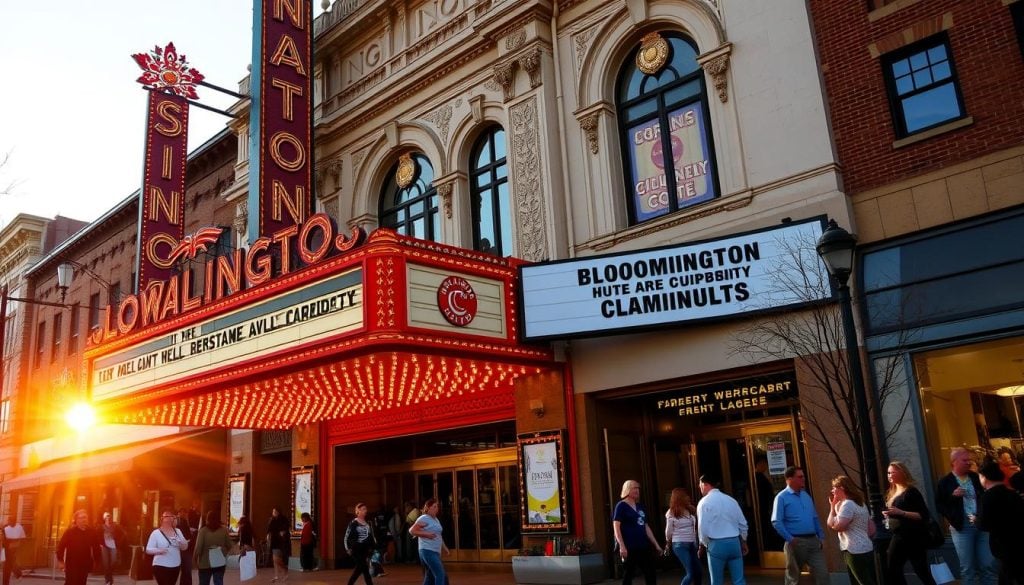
point(972, 396)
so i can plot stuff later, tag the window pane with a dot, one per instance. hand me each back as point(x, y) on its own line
point(684, 92)
point(416, 208)
point(642, 109)
point(922, 78)
point(901, 68)
point(690, 156)
point(931, 107)
point(419, 228)
point(631, 85)
point(485, 238)
point(483, 180)
point(501, 172)
point(904, 85)
point(683, 57)
point(941, 71)
point(484, 156)
point(918, 61)
point(499, 144)
point(936, 54)
point(647, 170)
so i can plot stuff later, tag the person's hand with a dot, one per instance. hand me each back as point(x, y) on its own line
point(895, 512)
point(701, 550)
point(833, 499)
point(821, 544)
point(959, 492)
point(744, 548)
point(659, 549)
point(60, 564)
point(623, 553)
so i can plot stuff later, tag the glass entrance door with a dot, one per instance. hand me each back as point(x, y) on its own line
point(750, 461)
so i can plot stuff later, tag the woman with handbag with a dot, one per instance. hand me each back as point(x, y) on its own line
point(907, 517)
point(165, 544)
point(850, 518)
point(211, 550)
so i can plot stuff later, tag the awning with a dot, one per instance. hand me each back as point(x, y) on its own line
point(108, 462)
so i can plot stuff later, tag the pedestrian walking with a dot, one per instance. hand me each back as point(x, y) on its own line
point(211, 549)
point(78, 550)
point(633, 535)
point(279, 541)
point(849, 517)
point(113, 539)
point(14, 534)
point(1003, 517)
point(958, 500)
point(907, 516)
point(429, 533)
point(796, 521)
point(681, 535)
point(307, 543)
point(166, 544)
point(722, 531)
point(359, 544)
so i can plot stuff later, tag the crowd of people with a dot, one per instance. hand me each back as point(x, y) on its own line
point(983, 506)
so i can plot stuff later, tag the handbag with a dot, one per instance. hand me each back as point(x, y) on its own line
point(940, 571)
point(247, 566)
point(217, 558)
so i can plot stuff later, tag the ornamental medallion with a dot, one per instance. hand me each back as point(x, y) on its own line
point(406, 171)
point(653, 53)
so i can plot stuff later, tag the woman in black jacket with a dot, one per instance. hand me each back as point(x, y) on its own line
point(280, 543)
point(359, 544)
point(907, 516)
point(1003, 518)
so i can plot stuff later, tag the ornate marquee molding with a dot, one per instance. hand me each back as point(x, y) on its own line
point(716, 64)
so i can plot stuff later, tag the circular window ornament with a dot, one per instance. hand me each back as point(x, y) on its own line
point(653, 53)
point(406, 170)
point(456, 300)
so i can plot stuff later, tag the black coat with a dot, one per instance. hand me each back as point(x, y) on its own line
point(1003, 519)
point(952, 507)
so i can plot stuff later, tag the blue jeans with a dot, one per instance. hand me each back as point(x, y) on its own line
point(217, 574)
point(976, 560)
point(686, 552)
point(433, 570)
point(722, 553)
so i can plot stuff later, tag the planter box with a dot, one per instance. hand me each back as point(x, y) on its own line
point(559, 570)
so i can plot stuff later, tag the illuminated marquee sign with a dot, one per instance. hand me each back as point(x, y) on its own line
point(734, 396)
point(222, 276)
point(714, 279)
point(280, 125)
point(314, 312)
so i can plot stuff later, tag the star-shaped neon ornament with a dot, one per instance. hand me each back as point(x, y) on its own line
point(166, 69)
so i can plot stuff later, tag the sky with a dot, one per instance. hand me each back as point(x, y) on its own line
point(72, 117)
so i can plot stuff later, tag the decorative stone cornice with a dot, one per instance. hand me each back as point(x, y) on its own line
point(445, 192)
point(716, 64)
point(589, 125)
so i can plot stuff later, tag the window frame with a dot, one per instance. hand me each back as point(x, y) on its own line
point(429, 213)
point(488, 139)
point(57, 337)
point(661, 113)
point(896, 100)
point(40, 343)
point(74, 328)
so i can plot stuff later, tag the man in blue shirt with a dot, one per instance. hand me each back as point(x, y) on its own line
point(796, 521)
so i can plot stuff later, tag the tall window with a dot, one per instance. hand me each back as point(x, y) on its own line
point(488, 185)
point(58, 323)
point(664, 128)
point(922, 86)
point(411, 210)
point(40, 342)
point(73, 331)
point(94, 311)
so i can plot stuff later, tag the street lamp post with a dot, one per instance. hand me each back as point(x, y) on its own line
point(836, 248)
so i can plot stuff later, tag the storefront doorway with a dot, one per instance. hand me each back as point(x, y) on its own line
point(750, 459)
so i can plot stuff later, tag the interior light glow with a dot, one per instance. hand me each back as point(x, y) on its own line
point(81, 417)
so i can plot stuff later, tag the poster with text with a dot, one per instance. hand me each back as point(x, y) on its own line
point(236, 500)
point(302, 495)
point(543, 480)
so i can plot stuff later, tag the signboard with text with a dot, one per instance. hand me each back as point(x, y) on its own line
point(727, 397)
point(313, 312)
point(740, 274)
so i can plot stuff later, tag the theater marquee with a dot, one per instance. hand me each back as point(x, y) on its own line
point(714, 279)
point(317, 311)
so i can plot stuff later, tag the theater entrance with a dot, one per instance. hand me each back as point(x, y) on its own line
point(750, 460)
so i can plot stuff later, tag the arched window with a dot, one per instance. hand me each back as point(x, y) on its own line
point(488, 186)
point(664, 124)
point(411, 210)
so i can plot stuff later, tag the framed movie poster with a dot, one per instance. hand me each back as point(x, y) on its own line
point(238, 497)
point(542, 482)
point(303, 495)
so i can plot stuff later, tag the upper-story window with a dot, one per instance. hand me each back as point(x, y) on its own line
point(408, 203)
point(664, 126)
point(94, 311)
point(40, 342)
point(74, 329)
point(58, 335)
point(488, 186)
point(922, 85)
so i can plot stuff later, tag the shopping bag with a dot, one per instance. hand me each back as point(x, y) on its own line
point(217, 558)
point(941, 572)
point(247, 566)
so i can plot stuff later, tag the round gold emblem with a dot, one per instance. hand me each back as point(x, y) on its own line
point(653, 53)
point(406, 170)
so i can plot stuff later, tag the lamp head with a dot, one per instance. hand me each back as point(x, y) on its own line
point(65, 274)
point(836, 247)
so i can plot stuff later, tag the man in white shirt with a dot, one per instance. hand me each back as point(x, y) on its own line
point(722, 531)
point(14, 533)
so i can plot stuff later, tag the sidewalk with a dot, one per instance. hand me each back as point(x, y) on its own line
point(396, 575)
